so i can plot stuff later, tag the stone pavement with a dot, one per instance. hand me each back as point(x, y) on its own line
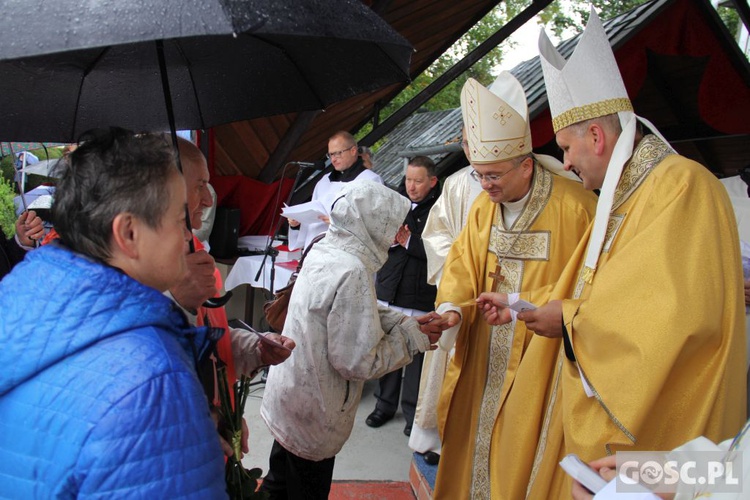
point(374, 463)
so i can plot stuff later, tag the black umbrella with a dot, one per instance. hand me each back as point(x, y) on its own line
point(68, 66)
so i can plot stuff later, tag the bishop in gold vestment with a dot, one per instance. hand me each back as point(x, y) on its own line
point(659, 332)
point(492, 403)
point(651, 311)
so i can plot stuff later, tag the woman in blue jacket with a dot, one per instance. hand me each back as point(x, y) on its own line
point(98, 392)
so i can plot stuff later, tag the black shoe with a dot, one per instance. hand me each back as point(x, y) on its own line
point(377, 418)
point(407, 430)
point(432, 458)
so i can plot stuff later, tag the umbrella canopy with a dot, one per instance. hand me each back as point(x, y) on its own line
point(95, 64)
point(25, 201)
point(45, 168)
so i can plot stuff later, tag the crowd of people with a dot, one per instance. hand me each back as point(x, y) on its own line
point(515, 316)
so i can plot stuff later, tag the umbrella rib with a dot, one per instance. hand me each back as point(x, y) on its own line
point(394, 64)
point(86, 72)
point(192, 83)
point(294, 63)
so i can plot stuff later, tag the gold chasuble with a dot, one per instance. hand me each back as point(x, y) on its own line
point(492, 403)
point(657, 330)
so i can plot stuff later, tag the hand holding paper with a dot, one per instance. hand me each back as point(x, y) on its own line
point(583, 473)
point(495, 308)
point(306, 213)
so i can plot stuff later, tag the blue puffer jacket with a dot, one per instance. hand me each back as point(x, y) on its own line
point(98, 394)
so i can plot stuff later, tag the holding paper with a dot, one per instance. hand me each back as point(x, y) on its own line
point(347, 166)
point(306, 213)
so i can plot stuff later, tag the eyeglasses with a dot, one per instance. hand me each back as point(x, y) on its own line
point(337, 154)
point(490, 178)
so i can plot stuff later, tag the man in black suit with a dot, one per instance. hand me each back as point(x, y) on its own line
point(402, 285)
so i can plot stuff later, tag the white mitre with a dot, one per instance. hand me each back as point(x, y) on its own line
point(586, 86)
point(497, 129)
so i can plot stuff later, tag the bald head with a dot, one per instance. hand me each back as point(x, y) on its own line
point(195, 172)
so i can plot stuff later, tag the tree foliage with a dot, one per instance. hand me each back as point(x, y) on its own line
point(731, 19)
point(481, 70)
point(7, 208)
point(561, 17)
point(572, 16)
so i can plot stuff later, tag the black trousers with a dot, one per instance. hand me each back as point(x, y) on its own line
point(389, 390)
point(293, 478)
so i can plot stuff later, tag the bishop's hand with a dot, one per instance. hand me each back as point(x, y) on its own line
point(494, 307)
point(546, 321)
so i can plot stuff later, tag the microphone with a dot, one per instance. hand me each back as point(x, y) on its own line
point(306, 164)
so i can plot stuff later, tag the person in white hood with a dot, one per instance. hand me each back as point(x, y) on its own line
point(343, 339)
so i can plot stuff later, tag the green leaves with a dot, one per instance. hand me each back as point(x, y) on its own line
point(7, 208)
point(242, 484)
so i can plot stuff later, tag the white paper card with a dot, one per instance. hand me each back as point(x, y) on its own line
point(581, 472)
point(306, 213)
point(263, 338)
point(521, 306)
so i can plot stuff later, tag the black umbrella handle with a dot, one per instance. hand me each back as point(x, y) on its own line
point(214, 302)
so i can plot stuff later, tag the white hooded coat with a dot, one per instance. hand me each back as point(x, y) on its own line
point(343, 337)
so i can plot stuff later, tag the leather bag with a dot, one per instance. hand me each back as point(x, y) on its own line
point(276, 308)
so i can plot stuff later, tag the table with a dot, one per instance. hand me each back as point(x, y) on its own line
point(245, 269)
point(243, 272)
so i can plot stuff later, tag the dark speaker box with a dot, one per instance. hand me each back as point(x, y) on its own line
point(223, 239)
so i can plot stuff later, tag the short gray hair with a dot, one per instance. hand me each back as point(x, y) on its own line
point(113, 171)
point(611, 123)
point(520, 159)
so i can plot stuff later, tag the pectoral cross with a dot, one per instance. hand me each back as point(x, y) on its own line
point(497, 276)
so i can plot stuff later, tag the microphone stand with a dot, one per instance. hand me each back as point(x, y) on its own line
point(273, 252)
point(269, 247)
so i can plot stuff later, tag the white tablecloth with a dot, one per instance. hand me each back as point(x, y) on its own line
point(246, 268)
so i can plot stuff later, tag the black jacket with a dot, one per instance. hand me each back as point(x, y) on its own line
point(10, 254)
point(403, 279)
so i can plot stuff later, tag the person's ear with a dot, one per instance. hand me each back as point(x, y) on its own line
point(125, 234)
point(527, 166)
point(598, 138)
point(433, 181)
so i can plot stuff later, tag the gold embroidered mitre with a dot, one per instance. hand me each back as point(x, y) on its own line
point(587, 85)
point(497, 128)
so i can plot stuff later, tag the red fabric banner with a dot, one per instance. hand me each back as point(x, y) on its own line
point(259, 203)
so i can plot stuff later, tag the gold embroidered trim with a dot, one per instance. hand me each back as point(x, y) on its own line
point(541, 189)
point(647, 155)
point(587, 274)
point(613, 226)
point(542, 446)
point(500, 350)
point(579, 286)
point(532, 245)
point(589, 111)
point(499, 150)
point(611, 415)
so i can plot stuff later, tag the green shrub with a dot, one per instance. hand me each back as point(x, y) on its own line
point(7, 208)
